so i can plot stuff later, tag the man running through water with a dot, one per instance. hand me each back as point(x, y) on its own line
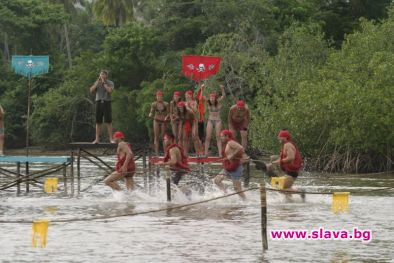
point(289, 161)
point(174, 158)
point(232, 155)
point(125, 167)
point(238, 120)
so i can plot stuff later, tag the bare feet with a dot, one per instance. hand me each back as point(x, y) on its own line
point(96, 141)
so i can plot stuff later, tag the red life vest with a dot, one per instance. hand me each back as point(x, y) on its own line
point(121, 160)
point(232, 165)
point(295, 165)
point(183, 166)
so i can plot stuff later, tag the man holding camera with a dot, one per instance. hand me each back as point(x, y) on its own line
point(103, 88)
point(238, 120)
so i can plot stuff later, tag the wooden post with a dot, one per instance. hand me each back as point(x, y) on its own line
point(144, 167)
point(168, 183)
point(27, 176)
point(18, 171)
point(263, 199)
point(79, 170)
point(72, 172)
point(247, 175)
point(65, 177)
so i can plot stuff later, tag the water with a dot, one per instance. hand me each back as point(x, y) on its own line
point(225, 230)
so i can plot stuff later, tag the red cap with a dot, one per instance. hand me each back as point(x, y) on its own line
point(181, 104)
point(159, 93)
point(284, 134)
point(168, 137)
point(213, 94)
point(177, 93)
point(189, 92)
point(227, 133)
point(241, 104)
point(118, 135)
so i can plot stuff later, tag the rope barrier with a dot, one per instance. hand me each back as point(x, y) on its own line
point(129, 214)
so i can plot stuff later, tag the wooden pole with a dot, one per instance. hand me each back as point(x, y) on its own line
point(168, 183)
point(144, 167)
point(263, 199)
point(65, 177)
point(72, 172)
point(79, 170)
point(27, 176)
point(28, 116)
point(247, 175)
point(18, 171)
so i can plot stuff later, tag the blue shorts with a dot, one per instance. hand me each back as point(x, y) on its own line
point(234, 175)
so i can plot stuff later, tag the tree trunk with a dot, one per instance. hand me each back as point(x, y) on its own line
point(68, 46)
point(6, 53)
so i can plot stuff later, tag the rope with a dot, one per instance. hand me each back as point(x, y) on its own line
point(129, 214)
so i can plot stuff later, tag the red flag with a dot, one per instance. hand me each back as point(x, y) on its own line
point(200, 67)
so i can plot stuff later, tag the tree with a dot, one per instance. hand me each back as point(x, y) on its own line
point(114, 12)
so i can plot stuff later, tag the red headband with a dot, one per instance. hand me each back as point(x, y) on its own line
point(181, 104)
point(118, 135)
point(213, 94)
point(241, 104)
point(167, 137)
point(177, 93)
point(159, 93)
point(227, 133)
point(189, 92)
point(284, 134)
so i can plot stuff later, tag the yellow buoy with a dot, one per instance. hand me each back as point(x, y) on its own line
point(50, 185)
point(278, 182)
point(340, 202)
point(40, 230)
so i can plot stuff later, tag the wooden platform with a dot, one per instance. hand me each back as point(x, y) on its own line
point(35, 159)
point(89, 145)
point(215, 159)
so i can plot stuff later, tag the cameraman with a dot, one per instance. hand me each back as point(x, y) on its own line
point(103, 88)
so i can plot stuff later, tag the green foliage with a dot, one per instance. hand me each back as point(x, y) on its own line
point(341, 105)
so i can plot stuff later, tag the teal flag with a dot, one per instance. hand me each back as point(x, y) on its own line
point(30, 66)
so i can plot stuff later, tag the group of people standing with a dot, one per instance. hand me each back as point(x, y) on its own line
point(187, 120)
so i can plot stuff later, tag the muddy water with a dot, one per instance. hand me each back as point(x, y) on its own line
point(226, 230)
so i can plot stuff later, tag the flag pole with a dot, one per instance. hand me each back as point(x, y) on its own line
point(28, 115)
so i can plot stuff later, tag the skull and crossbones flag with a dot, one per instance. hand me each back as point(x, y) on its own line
point(200, 67)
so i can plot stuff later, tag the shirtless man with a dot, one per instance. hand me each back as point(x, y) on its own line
point(159, 111)
point(1, 130)
point(175, 159)
point(125, 167)
point(174, 115)
point(289, 161)
point(238, 120)
point(233, 154)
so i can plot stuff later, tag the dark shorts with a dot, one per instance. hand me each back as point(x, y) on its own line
point(292, 174)
point(103, 111)
point(176, 176)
